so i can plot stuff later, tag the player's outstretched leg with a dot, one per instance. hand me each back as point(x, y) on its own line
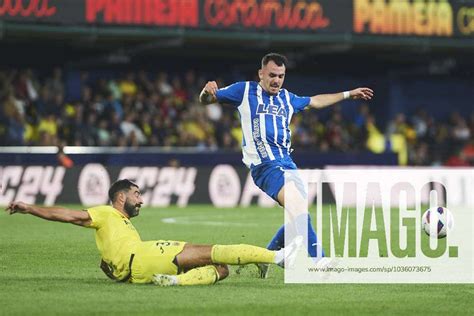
point(194, 256)
point(296, 207)
point(207, 264)
point(301, 219)
point(198, 276)
point(243, 254)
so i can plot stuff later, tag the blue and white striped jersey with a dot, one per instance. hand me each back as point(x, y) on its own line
point(265, 119)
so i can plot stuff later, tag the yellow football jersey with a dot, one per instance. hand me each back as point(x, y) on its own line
point(116, 238)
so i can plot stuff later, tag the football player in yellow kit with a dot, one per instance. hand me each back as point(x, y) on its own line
point(126, 258)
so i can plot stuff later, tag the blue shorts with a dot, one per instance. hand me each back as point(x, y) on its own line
point(270, 176)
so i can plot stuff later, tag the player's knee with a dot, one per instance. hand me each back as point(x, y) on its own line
point(223, 271)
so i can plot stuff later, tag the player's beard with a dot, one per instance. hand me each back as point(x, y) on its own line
point(131, 209)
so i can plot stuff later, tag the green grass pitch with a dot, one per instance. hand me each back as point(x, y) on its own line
point(51, 268)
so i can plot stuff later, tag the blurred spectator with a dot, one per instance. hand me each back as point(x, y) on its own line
point(420, 155)
point(162, 85)
point(420, 123)
point(48, 130)
point(104, 138)
point(457, 160)
point(460, 131)
point(214, 112)
point(401, 127)
point(55, 83)
point(180, 94)
point(89, 135)
point(127, 85)
point(337, 136)
point(375, 139)
point(468, 152)
point(131, 131)
point(192, 84)
point(362, 115)
point(113, 105)
point(26, 86)
point(114, 89)
point(14, 121)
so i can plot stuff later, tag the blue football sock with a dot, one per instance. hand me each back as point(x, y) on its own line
point(278, 241)
point(312, 237)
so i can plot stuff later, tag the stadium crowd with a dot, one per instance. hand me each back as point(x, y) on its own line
point(136, 109)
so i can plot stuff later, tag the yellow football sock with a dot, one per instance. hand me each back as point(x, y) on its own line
point(199, 276)
point(241, 254)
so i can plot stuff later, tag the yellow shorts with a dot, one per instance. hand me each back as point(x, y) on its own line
point(153, 257)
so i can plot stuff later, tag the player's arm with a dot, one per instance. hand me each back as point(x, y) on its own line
point(208, 93)
point(322, 100)
point(53, 213)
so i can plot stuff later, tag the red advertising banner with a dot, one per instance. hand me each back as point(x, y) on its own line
point(242, 15)
point(299, 15)
point(18, 9)
point(419, 18)
point(143, 12)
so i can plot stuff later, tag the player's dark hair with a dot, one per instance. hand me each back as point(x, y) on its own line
point(278, 59)
point(120, 185)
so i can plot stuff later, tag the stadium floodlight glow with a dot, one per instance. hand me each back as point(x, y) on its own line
point(369, 225)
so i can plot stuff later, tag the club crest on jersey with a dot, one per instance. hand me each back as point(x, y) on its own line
point(271, 109)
